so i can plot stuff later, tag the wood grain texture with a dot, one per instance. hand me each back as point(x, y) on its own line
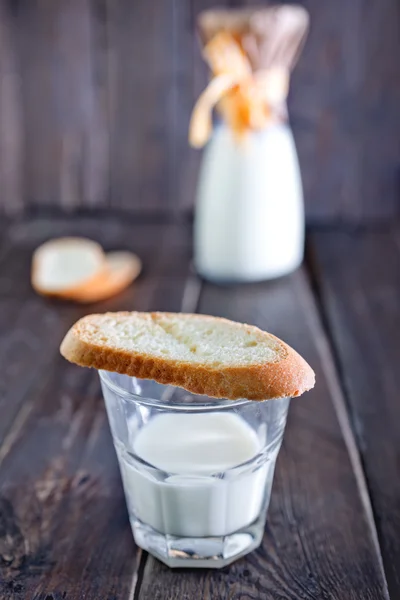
point(380, 129)
point(64, 103)
point(187, 60)
point(344, 104)
point(324, 103)
point(358, 277)
point(30, 332)
point(11, 117)
point(64, 530)
point(62, 503)
point(319, 540)
point(142, 112)
point(96, 95)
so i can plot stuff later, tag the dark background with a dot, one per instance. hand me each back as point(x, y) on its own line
point(95, 99)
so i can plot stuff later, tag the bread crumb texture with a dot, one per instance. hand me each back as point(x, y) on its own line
point(203, 354)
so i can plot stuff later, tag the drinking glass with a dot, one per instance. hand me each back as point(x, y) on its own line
point(204, 503)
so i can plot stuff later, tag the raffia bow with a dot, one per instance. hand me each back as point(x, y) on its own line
point(246, 99)
point(251, 53)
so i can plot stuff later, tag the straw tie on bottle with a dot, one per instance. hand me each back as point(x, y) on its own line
point(250, 54)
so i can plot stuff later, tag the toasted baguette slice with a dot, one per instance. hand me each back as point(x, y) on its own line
point(121, 269)
point(64, 266)
point(204, 355)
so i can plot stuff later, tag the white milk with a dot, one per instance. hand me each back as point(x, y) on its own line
point(186, 500)
point(249, 216)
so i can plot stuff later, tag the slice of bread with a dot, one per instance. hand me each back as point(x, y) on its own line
point(65, 266)
point(121, 269)
point(204, 355)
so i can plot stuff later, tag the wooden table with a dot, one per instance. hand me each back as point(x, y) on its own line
point(333, 530)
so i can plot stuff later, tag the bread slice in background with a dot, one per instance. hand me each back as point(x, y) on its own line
point(65, 266)
point(77, 269)
point(204, 355)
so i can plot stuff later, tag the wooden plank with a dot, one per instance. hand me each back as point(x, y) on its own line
point(64, 530)
point(323, 95)
point(30, 330)
point(64, 103)
point(319, 539)
point(152, 68)
point(358, 278)
point(186, 52)
point(380, 97)
point(343, 104)
point(142, 121)
point(11, 129)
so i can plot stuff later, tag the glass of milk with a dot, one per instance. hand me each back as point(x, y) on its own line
point(197, 472)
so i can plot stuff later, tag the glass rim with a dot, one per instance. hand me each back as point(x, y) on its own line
point(209, 404)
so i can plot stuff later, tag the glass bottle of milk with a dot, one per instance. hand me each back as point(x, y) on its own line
point(249, 222)
point(249, 219)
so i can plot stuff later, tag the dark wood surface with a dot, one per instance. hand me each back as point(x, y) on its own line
point(95, 100)
point(358, 279)
point(64, 531)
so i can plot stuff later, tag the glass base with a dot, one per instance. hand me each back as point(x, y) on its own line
point(207, 552)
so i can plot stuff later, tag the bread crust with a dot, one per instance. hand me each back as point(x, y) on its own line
point(290, 376)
